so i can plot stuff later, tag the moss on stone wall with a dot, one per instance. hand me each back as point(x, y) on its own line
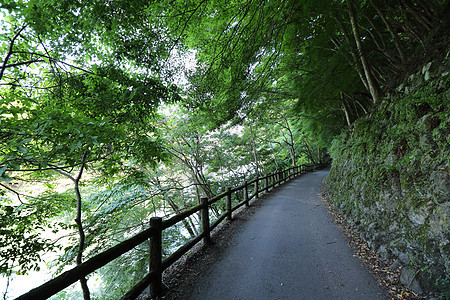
point(390, 175)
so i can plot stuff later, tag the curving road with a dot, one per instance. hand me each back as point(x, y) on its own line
point(289, 249)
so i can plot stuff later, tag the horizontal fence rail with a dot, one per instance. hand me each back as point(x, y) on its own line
point(154, 234)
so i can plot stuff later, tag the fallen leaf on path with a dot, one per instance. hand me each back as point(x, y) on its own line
point(378, 266)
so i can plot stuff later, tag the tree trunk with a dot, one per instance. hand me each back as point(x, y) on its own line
point(374, 88)
point(347, 116)
point(362, 106)
point(355, 63)
point(83, 281)
point(255, 155)
point(274, 157)
point(427, 25)
point(291, 137)
point(398, 44)
point(79, 258)
point(310, 154)
point(186, 224)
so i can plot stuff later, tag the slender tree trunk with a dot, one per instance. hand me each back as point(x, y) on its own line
point(186, 224)
point(83, 281)
point(199, 214)
point(79, 258)
point(374, 88)
point(432, 10)
point(255, 155)
point(420, 17)
point(308, 149)
point(362, 106)
point(398, 44)
point(347, 116)
point(356, 63)
point(274, 157)
point(291, 137)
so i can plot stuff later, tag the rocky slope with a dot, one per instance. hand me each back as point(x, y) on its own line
point(390, 176)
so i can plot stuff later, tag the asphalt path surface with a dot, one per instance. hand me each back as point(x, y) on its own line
point(289, 249)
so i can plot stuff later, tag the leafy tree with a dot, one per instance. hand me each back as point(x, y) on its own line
point(335, 58)
point(81, 83)
point(62, 117)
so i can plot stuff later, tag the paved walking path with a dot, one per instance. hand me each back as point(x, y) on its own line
point(289, 249)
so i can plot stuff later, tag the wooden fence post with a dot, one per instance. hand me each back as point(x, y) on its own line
point(205, 221)
point(267, 184)
point(256, 187)
point(156, 257)
point(246, 194)
point(229, 207)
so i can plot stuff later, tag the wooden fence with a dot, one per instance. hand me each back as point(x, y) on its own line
point(154, 233)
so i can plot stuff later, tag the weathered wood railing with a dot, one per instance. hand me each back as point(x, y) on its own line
point(154, 233)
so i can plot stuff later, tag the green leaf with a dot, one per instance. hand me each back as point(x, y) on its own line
point(3, 169)
point(23, 150)
point(49, 185)
point(5, 178)
point(10, 19)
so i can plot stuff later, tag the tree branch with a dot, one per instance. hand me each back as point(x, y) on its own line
point(10, 51)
